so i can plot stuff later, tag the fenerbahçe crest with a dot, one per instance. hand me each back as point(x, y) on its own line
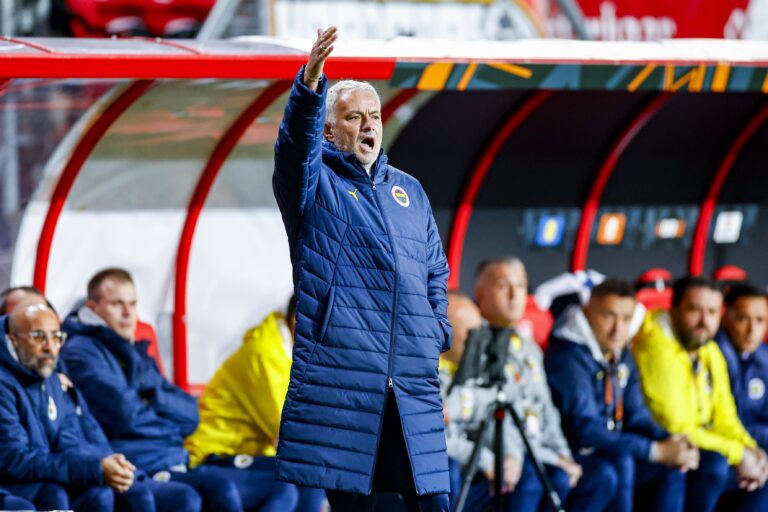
point(401, 197)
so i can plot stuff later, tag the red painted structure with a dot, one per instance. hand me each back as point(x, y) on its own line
point(707, 208)
point(589, 210)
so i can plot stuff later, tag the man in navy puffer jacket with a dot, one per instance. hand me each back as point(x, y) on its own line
point(363, 411)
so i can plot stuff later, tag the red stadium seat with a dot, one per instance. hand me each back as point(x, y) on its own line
point(654, 288)
point(146, 332)
point(537, 322)
point(729, 273)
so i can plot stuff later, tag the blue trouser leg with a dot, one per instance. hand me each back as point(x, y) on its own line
point(663, 488)
point(8, 502)
point(257, 486)
point(454, 474)
point(667, 484)
point(93, 499)
point(705, 485)
point(528, 494)
point(138, 498)
point(44, 496)
point(310, 499)
point(739, 500)
point(596, 488)
point(174, 497)
point(218, 493)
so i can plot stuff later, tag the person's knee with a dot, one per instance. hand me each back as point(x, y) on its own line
point(221, 495)
point(287, 495)
point(605, 478)
point(185, 499)
point(51, 497)
point(96, 499)
point(713, 468)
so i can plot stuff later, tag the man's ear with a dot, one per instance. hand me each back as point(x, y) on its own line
point(90, 303)
point(328, 132)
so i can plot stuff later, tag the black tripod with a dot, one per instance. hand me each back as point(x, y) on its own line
point(488, 348)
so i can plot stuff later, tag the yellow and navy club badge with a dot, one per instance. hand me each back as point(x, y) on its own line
point(756, 388)
point(401, 196)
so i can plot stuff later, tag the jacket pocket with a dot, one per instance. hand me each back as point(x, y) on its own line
point(327, 315)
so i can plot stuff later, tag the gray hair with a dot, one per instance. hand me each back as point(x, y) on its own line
point(341, 88)
point(509, 260)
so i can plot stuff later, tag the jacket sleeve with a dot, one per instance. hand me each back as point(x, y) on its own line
point(583, 422)
point(759, 433)
point(661, 379)
point(176, 406)
point(298, 153)
point(22, 462)
point(552, 424)
point(120, 410)
point(437, 280)
point(638, 418)
point(726, 419)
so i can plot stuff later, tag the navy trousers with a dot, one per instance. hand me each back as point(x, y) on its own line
point(50, 496)
point(716, 481)
point(649, 486)
point(258, 488)
point(593, 492)
point(392, 473)
point(10, 502)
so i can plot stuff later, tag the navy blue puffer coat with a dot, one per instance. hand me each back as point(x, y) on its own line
point(370, 277)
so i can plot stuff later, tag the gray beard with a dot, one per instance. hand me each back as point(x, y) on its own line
point(29, 360)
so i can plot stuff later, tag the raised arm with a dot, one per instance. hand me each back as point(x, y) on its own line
point(298, 154)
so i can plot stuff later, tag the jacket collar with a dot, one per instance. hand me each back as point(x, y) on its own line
point(347, 164)
point(573, 326)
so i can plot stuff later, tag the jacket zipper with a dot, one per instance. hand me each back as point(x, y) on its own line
point(390, 382)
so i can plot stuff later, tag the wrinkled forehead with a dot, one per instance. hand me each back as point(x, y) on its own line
point(358, 99)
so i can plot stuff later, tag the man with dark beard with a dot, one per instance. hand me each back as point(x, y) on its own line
point(686, 386)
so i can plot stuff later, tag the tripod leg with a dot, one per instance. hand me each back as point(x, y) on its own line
point(498, 451)
point(552, 498)
point(468, 474)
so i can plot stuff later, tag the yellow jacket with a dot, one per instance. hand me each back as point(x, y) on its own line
point(241, 406)
point(697, 404)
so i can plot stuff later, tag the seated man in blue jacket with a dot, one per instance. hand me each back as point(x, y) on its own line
point(143, 415)
point(741, 341)
point(41, 457)
point(595, 385)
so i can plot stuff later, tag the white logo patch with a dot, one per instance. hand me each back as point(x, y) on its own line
point(243, 461)
point(756, 388)
point(162, 476)
point(401, 196)
point(53, 413)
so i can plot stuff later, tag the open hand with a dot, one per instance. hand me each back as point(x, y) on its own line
point(321, 49)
